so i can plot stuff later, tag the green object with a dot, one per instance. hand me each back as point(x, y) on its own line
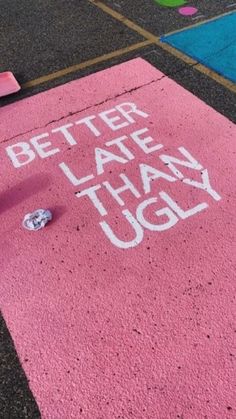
point(170, 3)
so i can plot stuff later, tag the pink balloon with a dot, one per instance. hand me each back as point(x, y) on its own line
point(188, 11)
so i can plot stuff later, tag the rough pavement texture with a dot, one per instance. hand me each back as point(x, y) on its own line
point(75, 31)
point(160, 20)
point(16, 400)
point(42, 37)
point(148, 331)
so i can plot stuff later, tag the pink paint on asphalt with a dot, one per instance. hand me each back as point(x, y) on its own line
point(124, 305)
point(188, 10)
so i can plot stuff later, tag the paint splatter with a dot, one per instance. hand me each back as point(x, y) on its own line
point(188, 11)
point(171, 3)
point(184, 11)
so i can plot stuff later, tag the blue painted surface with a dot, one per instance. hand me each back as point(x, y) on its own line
point(212, 44)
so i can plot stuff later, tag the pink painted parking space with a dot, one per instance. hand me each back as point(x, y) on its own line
point(124, 304)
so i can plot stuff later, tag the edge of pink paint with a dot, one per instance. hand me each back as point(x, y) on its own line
point(87, 92)
point(113, 293)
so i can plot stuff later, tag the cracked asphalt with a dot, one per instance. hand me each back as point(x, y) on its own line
point(40, 38)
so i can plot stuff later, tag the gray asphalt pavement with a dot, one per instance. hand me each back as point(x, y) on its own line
point(44, 37)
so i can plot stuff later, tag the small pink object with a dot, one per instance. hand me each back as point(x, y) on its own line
point(188, 11)
point(8, 84)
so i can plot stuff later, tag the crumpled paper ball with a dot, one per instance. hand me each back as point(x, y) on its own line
point(36, 220)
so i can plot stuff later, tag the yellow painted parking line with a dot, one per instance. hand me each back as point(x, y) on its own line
point(156, 40)
point(176, 53)
point(85, 64)
point(127, 22)
point(200, 67)
point(219, 79)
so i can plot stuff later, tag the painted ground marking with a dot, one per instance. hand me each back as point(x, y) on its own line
point(151, 40)
point(188, 11)
point(85, 64)
point(119, 291)
point(156, 40)
point(198, 17)
point(213, 44)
